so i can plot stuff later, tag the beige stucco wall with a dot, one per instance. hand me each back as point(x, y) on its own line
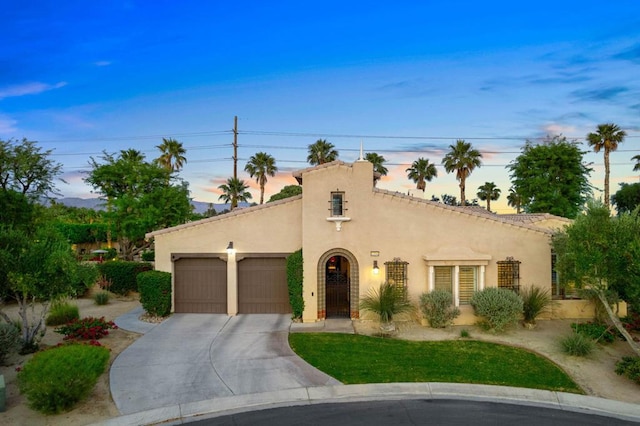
point(399, 226)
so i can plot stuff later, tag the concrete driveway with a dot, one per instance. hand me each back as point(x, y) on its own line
point(194, 357)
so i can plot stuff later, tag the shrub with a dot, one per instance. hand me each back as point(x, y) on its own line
point(437, 307)
point(577, 345)
point(9, 340)
point(386, 301)
point(86, 278)
point(629, 366)
point(122, 275)
point(55, 379)
point(595, 331)
point(498, 307)
point(155, 292)
point(536, 301)
point(631, 322)
point(294, 282)
point(62, 312)
point(464, 333)
point(149, 256)
point(101, 298)
point(88, 328)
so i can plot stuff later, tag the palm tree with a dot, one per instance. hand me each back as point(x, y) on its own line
point(378, 162)
point(489, 192)
point(260, 166)
point(636, 158)
point(420, 171)
point(321, 152)
point(132, 155)
point(233, 191)
point(463, 159)
point(514, 200)
point(606, 138)
point(172, 157)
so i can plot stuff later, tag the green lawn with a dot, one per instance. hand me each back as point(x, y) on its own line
point(352, 358)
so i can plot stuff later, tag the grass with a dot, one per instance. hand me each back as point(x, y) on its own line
point(354, 359)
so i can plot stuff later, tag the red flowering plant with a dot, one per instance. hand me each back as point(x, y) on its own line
point(88, 328)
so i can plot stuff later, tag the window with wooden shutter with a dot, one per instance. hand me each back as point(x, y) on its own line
point(443, 278)
point(468, 283)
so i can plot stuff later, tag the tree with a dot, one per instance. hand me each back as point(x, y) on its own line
point(26, 169)
point(378, 162)
point(488, 192)
point(606, 138)
point(551, 177)
point(260, 166)
point(420, 171)
point(462, 159)
point(627, 198)
point(286, 192)
point(636, 167)
point(321, 152)
point(35, 266)
point(514, 200)
point(140, 197)
point(600, 253)
point(234, 191)
point(172, 154)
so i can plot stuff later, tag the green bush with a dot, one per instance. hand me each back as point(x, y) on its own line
point(155, 292)
point(294, 282)
point(56, 379)
point(577, 344)
point(498, 307)
point(86, 278)
point(437, 307)
point(629, 366)
point(386, 301)
point(62, 312)
point(536, 301)
point(101, 298)
point(122, 275)
point(595, 331)
point(149, 256)
point(9, 340)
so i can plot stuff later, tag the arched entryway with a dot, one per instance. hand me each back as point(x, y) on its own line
point(338, 286)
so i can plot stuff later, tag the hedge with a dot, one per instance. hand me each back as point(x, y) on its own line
point(122, 275)
point(155, 292)
point(294, 282)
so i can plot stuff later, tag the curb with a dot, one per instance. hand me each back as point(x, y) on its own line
point(184, 413)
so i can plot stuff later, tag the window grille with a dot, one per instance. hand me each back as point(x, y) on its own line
point(396, 272)
point(509, 274)
point(337, 204)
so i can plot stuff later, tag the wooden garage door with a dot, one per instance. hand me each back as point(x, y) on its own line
point(200, 285)
point(262, 286)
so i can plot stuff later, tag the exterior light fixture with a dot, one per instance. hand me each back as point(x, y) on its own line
point(230, 249)
point(376, 270)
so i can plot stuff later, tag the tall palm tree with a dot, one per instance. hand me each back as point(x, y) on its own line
point(321, 152)
point(420, 171)
point(132, 155)
point(606, 138)
point(234, 191)
point(172, 154)
point(488, 192)
point(462, 158)
point(636, 167)
point(514, 200)
point(378, 162)
point(260, 166)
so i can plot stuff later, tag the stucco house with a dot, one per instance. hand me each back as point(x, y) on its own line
point(354, 236)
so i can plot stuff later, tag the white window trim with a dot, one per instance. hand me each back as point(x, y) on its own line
point(456, 279)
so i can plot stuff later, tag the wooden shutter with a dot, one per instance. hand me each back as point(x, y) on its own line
point(468, 283)
point(443, 278)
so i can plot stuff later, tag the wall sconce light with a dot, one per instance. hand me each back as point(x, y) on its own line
point(230, 249)
point(376, 270)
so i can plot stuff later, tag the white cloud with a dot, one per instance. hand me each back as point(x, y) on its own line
point(7, 125)
point(102, 63)
point(557, 129)
point(29, 89)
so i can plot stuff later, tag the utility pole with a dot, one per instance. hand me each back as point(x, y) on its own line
point(235, 147)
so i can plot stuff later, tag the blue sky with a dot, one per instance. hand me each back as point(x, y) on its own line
point(405, 78)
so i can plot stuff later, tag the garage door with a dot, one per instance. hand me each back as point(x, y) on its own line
point(262, 286)
point(200, 285)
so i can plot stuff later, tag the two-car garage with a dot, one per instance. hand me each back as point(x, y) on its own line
point(201, 284)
